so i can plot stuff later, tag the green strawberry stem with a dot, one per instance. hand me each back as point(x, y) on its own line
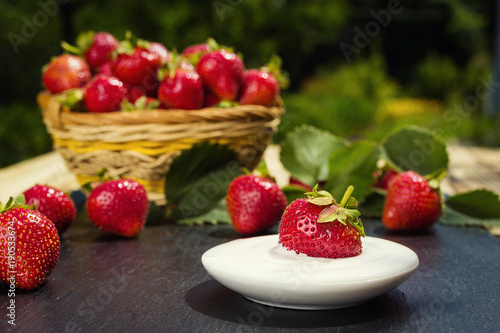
point(212, 44)
point(71, 48)
point(343, 213)
point(346, 196)
point(83, 42)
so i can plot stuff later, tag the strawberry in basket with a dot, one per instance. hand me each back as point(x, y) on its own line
point(65, 72)
point(136, 65)
point(104, 93)
point(181, 86)
point(95, 48)
point(262, 86)
point(222, 73)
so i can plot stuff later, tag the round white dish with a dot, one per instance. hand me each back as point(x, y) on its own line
point(263, 271)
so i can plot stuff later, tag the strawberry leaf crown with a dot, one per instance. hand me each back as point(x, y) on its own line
point(104, 175)
point(83, 42)
point(344, 212)
point(176, 61)
point(127, 45)
point(274, 67)
point(18, 202)
point(141, 103)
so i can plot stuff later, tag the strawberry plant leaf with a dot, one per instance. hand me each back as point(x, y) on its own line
point(353, 165)
point(481, 204)
point(418, 149)
point(455, 218)
point(217, 215)
point(305, 152)
point(198, 179)
point(373, 205)
point(293, 192)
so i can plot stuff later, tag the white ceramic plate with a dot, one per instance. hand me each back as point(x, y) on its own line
point(263, 271)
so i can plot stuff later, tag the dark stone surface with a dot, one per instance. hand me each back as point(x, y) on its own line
point(156, 283)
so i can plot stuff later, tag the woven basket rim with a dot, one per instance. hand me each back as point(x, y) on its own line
point(59, 115)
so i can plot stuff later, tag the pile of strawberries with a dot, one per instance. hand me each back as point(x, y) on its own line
point(31, 224)
point(103, 74)
point(317, 225)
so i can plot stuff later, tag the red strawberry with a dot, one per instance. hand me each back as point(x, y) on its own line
point(222, 73)
point(136, 92)
point(119, 207)
point(106, 69)
point(104, 94)
point(259, 87)
point(160, 50)
point(138, 67)
point(210, 100)
point(65, 72)
point(196, 49)
point(100, 49)
point(411, 203)
point(254, 204)
point(56, 205)
point(29, 245)
point(318, 227)
point(181, 90)
point(384, 178)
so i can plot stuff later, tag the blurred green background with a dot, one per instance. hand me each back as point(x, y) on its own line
point(358, 68)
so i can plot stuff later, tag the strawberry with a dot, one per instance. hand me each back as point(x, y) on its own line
point(29, 245)
point(106, 69)
point(138, 67)
point(383, 179)
point(119, 207)
point(104, 94)
point(222, 73)
point(134, 92)
point(65, 72)
point(254, 204)
point(318, 227)
point(160, 50)
point(259, 87)
point(56, 205)
point(181, 90)
point(210, 100)
point(196, 49)
point(100, 49)
point(411, 203)
point(262, 86)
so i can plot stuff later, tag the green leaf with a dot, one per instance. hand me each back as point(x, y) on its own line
point(482, 204)
point(455, 218)
point(293, 192)
point(418, 149)
point(198, 179)
point(353, 165)
point(216, 215)
point(373, 205)
point(305, 152)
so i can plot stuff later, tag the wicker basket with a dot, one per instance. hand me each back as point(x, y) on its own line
point(141, 144)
